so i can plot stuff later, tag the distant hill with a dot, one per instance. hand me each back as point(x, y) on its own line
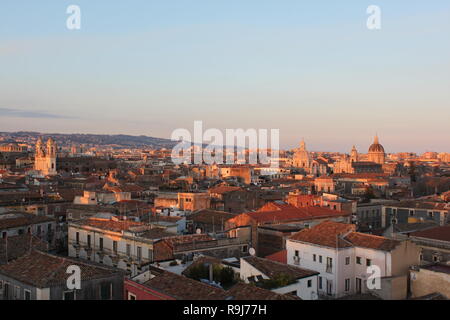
point(119, 140)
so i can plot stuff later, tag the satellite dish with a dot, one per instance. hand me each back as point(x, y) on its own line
point(198, 231)
point(252, 251)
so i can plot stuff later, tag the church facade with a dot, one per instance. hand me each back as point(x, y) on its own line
point(303, 160)
point(352, 164)
point(45, 157)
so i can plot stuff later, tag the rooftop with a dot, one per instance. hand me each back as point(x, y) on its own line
point(340, 235)
point(286, 212)
point(273, 269)
point(18, 219)
point(43, 270)
point(438, 233)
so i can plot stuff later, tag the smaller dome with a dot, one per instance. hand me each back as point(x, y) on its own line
point(376, 147)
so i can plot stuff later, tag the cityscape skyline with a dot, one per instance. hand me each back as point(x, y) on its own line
point(360, 148)
point(311, 70)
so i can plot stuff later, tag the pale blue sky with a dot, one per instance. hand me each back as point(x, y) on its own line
point(309, 68)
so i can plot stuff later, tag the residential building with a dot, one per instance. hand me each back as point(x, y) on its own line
point(344, 257)
point(434, 244)
point(42, 276)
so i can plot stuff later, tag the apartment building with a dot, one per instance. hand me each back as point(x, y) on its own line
point(123, 244)
point(347, 260)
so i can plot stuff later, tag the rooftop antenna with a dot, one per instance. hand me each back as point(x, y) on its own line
point(6, 247)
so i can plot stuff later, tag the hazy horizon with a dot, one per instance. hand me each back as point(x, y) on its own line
point(361, 149)
point(311, 69)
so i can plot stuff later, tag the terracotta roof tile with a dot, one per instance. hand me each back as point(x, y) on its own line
point(43, 270)
point(325, 234)
point(280, 256)
point(438, 233)
point(341, 235)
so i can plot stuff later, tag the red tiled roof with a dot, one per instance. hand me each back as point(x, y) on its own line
point(108, 224)
point(183, 288)
point(341, 235)
point(371, 241)
point(438, 233)
point(287, 212)
point(280, 256)
point(43, 270)
point(325, 234)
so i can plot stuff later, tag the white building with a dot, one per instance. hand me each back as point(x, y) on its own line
point(303, 283)
point(346, 260)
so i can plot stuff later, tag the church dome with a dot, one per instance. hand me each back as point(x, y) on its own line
point(376, 147)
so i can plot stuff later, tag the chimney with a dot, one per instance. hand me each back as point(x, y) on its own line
point(211, 273)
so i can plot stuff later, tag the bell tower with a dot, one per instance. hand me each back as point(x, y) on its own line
point(45, 157)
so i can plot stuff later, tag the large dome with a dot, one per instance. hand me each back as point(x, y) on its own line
point(376, 147)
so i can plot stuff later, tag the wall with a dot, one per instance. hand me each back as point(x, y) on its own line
point(427, 282)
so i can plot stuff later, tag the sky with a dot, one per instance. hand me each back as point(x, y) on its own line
point(311, 69)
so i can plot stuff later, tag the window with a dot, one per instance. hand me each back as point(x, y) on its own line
point(4, 235)
point(89, 240)
point(131, 296)
point(6, 291)
point(309, 283)
point(27, 295)
point(358, 260)
point(320, 283)
point(49, 227)
point(139, 253)
point(101, 243)
point(430, 214)
point(320, 259)
point(411, 213)
point(347, 284)
point(16, 292)
point(297, 253)
point(368, 262)
point(69, 295)
point(347, 261)
point(128, 250)
point(329, 264)
point(77, 236)
point(244, 249)
point(39, 230)
point(314, 257)
point(115, 246)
